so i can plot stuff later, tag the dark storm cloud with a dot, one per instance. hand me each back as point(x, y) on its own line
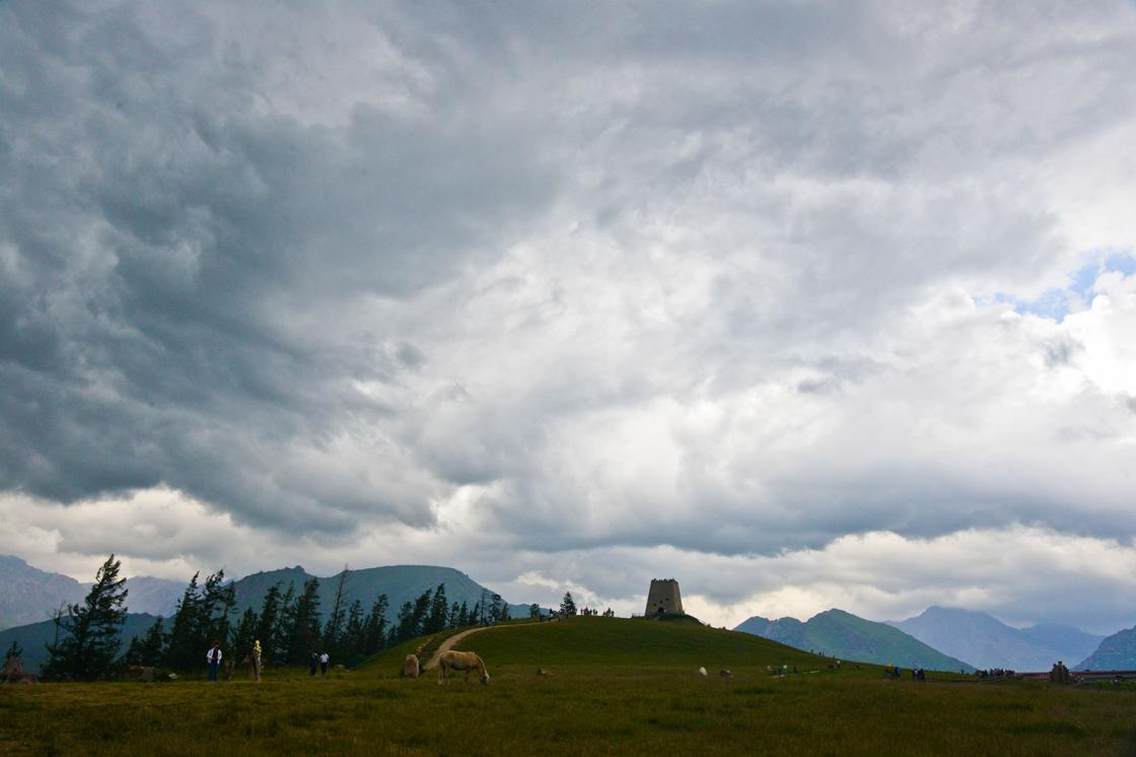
point(163, 237)
point(661, 274)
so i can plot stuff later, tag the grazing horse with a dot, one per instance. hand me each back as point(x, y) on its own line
point(461, 661)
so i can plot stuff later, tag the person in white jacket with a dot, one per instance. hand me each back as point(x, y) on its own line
point(213, 657)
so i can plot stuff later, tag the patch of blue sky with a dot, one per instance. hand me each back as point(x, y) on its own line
point(1058, 303)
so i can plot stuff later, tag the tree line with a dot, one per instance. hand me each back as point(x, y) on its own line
point(289, 625)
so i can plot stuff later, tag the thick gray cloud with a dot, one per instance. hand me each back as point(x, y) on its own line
point(728, 280)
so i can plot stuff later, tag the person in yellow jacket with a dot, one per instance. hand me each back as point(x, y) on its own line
point(256, 663)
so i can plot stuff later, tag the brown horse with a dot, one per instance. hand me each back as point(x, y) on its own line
point(462, 662)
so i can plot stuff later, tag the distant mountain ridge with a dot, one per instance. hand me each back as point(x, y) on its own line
point(401, 583)
point(30, 595)
point(841, 634)
point(1116, 652)
point(987, 642)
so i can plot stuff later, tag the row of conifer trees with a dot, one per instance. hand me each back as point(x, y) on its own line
point(289, 625)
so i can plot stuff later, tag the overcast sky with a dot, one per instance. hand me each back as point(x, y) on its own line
point(807, 305)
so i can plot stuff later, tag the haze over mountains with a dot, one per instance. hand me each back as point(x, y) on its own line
point(986, 642)
point(30, 595)
point(841, 634)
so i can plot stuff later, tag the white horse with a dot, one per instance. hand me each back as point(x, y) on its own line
point(461, 661)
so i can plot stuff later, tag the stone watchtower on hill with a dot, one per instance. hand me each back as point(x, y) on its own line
point(664, 598)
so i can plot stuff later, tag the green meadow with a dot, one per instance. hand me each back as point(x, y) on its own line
point(616, 687)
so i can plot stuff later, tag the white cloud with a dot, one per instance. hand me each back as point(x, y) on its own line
point(566, 293)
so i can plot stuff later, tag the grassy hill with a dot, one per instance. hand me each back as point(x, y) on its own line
point(619, 686)
point(849, 637)
point(600, 641)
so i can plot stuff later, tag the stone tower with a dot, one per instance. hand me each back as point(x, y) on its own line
point(664, 598)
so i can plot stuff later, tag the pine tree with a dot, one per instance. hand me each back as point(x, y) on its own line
point(333, 630)
point(181, 650)
point(567, 605)
point(354, 636)
point(405, 628)
point(375, 633)
point(534, 611)
point(454, 620)
point(90, 629)
point(421, 613)
point(305, 631)
point(266, 621)
point(439, 610)
point(215, 612)
point(244, 635)
point(14, 651)
point(463, 615)
point(498, 609)
point(285, 622)
point(147, 650)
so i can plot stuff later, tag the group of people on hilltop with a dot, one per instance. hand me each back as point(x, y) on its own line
point(214, 656)
point(319, 660)
point(896, 672)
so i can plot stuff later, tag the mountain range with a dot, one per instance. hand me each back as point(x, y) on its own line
point(986, 642)
point(841, 634)
point(1117, 652)
point(31, 595)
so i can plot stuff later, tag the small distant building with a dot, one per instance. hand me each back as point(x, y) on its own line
point(664, 598)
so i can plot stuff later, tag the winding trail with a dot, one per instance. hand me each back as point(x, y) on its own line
point(454, 640)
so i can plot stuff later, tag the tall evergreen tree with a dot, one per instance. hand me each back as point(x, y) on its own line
point(439, 611)
point(375, 633)
point(354, 634)
point(567, 605)
point(336, 619)
point(405, 627)
point(305, 631)
point(454, 619)
point(266, 621)
point(147, 650)
point(215, 611)
point(498, 609)
point(243, 635)
point(89, 630)
point(285, 622)
point(421, 613)
point(14, 651)
point(463, 615)
point(181, 644)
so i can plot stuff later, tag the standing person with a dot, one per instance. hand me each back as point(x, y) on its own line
point(256, 663)
point(313, 663)
point(213, 657)
point(324, 659)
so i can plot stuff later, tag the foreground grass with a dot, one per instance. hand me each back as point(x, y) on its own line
point(615, 689)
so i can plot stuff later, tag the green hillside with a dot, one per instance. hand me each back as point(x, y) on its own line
point(618, 686)
point(841, 634)
point(605, 641)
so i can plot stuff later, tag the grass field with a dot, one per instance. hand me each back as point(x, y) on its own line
point(617, 687)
